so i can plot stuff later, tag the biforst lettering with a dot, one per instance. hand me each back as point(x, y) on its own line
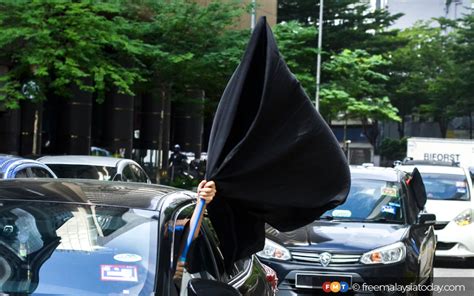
point(441, 157)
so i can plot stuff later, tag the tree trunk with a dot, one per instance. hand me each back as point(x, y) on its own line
point(401, 128)
point(371, 132)
point(443, 126)
point(470, 125)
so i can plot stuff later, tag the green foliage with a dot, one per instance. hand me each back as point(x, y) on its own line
point(119, 45)
point(298, 45)
point(195, 45)
point(347, 24)
point(393, 149)
point(432, 74)
point(58, 43)
point(356, 88)
point(463, 56)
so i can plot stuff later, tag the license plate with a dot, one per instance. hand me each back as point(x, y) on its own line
point(316, 280)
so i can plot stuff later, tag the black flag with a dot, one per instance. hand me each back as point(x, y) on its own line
point(272, 156)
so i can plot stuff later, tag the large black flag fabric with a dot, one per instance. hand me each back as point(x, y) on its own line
point(272, 156)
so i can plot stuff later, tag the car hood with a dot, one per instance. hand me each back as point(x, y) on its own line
point(333, 236)
point(447, 210)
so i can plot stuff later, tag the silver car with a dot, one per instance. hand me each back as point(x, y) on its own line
point(96, 168)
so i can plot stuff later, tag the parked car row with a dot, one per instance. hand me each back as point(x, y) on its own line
point(73, 167)
point(109, 238)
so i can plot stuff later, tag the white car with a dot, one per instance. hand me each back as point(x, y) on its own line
point(95, 168)
point(449, 192)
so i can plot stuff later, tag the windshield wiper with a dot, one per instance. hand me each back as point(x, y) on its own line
point(384, 220)
point(326, 217)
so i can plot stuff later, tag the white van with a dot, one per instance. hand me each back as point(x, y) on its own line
point(448, 189)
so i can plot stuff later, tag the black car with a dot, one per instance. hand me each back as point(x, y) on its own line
point(378, 236)
point(74, 237)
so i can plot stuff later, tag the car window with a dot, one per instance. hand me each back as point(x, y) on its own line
point(371, 201)
point(216, 247)
point(201, 262)
point(37, 172)
point(103, 250)
point(128, 174)
point(446, 186)
point(23, 173)
point(139, 173)
point(79, 171)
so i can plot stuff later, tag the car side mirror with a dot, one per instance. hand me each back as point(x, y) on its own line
point(426, 219)
point(202, 287)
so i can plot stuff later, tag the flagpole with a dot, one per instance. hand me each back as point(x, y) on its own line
point(318, 63)
point(193, 227)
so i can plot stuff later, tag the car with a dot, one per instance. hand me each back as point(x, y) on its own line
point(97, 151)
point(96, 168)
point(377, 236)
point(88, 237)
point(18, 167)
point(449, 193)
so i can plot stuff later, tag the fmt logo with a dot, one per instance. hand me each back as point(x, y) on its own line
point(335, 287)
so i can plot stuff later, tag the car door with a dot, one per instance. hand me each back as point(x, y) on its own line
point(422, 240)
point(246, 275)
point(200, 263)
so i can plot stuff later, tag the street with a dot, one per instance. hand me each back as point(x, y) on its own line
point(452, 273)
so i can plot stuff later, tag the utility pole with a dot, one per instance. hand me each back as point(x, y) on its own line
point(318, 63)
point(253, 15)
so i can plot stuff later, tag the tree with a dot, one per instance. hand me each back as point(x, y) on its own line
point(197, 46)
point(393, 149)
point(59, 43)
point(347, 24)
point(464, 57)
point(411, 69)
point(298, 45)
point(121, 45)
point(357, 90)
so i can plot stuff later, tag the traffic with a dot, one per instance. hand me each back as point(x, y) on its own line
point(384, 233)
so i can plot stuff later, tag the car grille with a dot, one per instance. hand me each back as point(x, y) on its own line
point(440, 225)
point(444, 246)
point(336, 259)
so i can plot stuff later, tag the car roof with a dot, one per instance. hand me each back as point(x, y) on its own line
point(119, 194)
point(376, 173)
point(82, 159)
point(6, 161)
point(452, 170)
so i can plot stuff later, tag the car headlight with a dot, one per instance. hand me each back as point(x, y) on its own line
point(465, 218)
point(272, 250)
point(385, 255)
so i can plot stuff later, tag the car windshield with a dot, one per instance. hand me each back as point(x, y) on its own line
point(446, 186)
point(79, 171)
point(102, 250)
point(370, 201)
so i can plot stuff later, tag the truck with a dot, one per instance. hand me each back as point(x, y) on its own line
point(446, 150)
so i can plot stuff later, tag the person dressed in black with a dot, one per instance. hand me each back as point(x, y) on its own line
point(178, 162)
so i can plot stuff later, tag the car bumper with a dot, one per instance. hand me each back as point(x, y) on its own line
point(455, 241)
point(361, 274)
